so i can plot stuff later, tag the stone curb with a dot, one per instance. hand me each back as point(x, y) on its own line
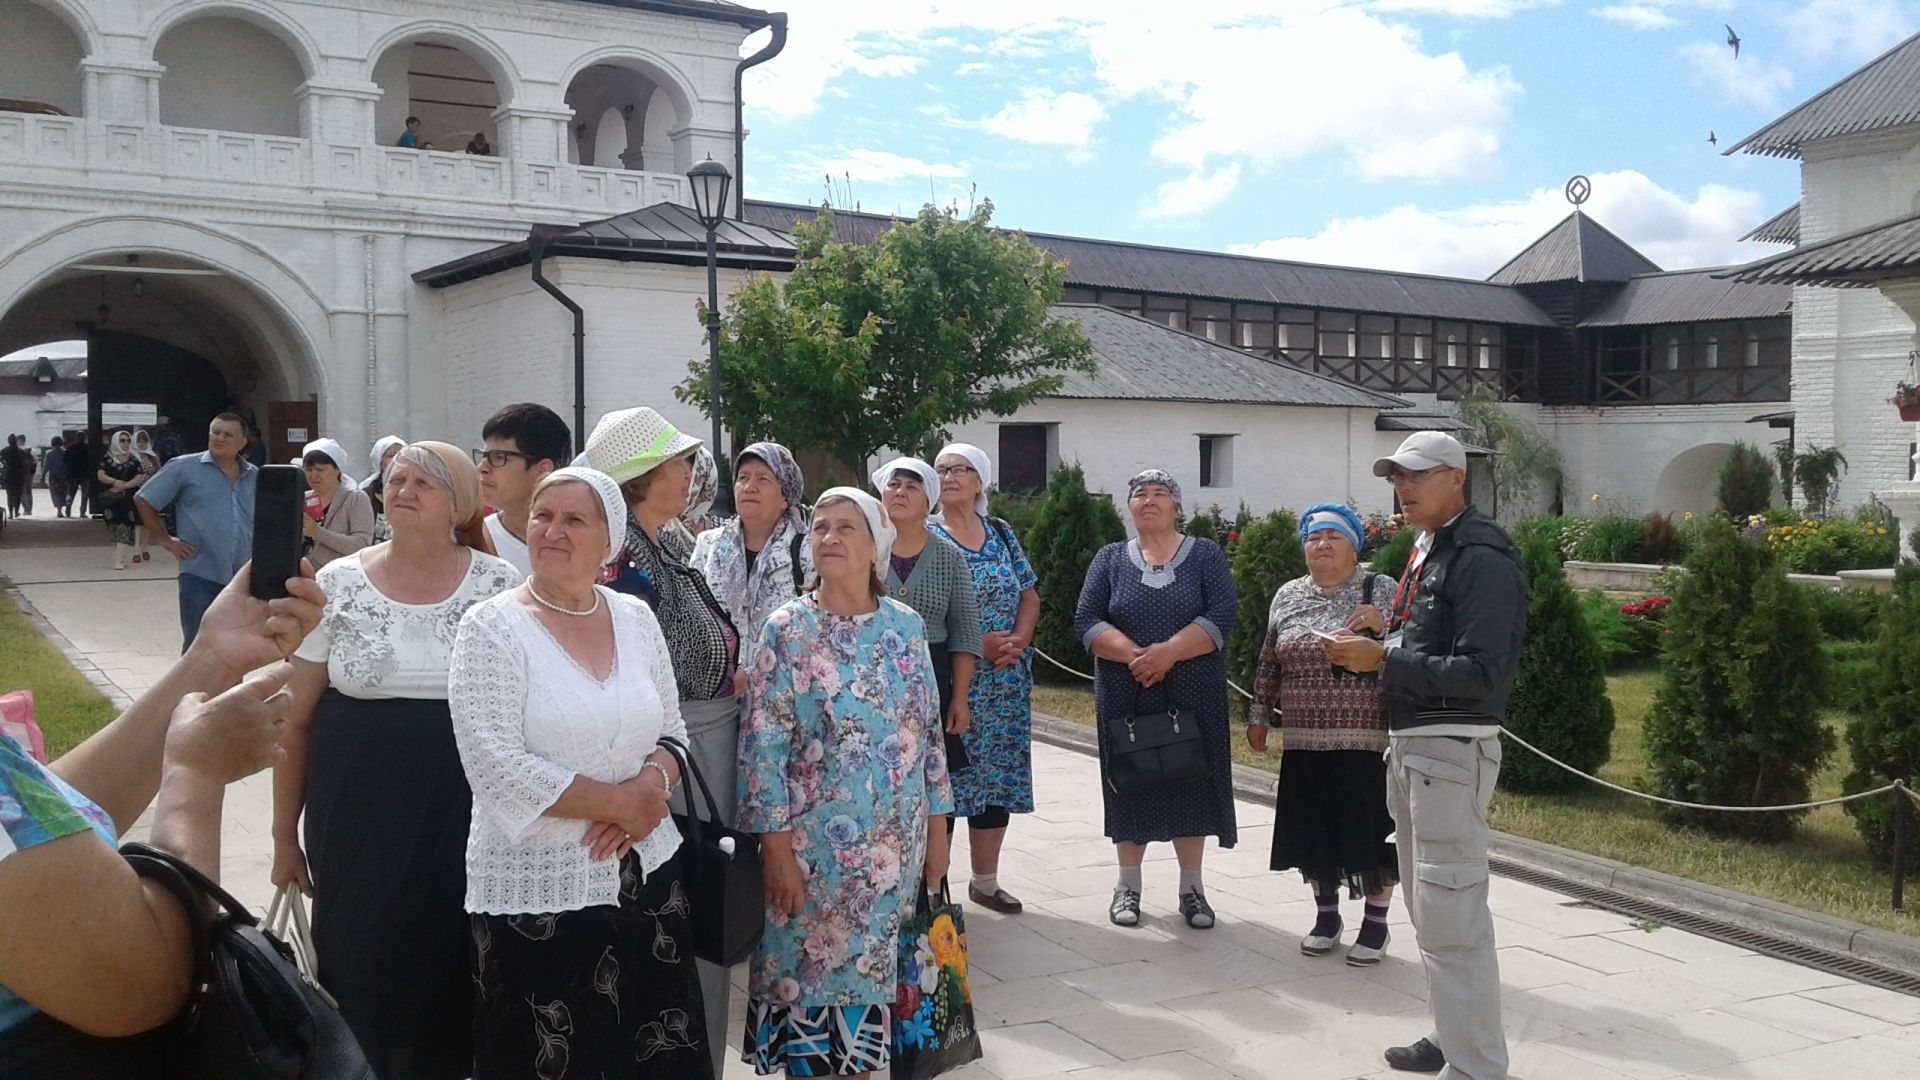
point(88, 670)
point(1896, 951)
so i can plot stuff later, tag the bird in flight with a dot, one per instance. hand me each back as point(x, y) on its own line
point(1712, 139)
point(1733, 39)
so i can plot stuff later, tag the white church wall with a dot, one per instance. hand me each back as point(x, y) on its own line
point(1645, 458)
point(1282, 456)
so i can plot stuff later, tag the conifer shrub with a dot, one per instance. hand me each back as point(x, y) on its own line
point(1018, 511)
point(1070, 526)
point(1736, 720)
point(1884, 737)
point(1392, 559)
point(1268, 556)
point(1746, 482)
point(1559, 701)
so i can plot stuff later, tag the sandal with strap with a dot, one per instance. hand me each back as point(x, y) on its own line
point(1125, 909)
point(1199, 913)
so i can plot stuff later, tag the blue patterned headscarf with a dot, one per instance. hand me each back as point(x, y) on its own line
point(1155, 476)
point(1335, 516)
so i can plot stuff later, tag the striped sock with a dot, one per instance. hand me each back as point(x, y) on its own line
point(1328, 924)
point(1373, 929)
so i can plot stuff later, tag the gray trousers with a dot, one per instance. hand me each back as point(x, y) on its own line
point(713, 737)
point(1438, 789)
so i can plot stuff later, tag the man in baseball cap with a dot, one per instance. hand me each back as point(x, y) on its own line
point(1423, 451)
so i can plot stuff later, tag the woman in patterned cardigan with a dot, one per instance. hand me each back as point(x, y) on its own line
point(1331, 821)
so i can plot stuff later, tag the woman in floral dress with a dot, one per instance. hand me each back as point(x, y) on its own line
point(998, 779)
point(842, 773)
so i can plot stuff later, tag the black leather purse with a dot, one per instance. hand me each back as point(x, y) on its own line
point(723, 874)
point(1148, 751)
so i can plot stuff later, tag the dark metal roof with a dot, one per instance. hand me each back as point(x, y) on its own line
point(1781, 228)
point(1107, 264)
point(1860, 259)
point(1687, 296)
point(1141, 360)
point(1882, 94)
point(1577, 249)
point(665, 232)
point(65, 367)
point(712, 10)
point(1413, 422)
point(1774, 419)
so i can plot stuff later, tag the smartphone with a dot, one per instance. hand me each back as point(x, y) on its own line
point(279, 496)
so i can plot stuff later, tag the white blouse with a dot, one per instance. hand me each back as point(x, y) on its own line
point(528, 719)
point(377, 647)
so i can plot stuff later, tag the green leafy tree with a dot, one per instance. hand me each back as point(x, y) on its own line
point(1559, 701)
point(1392, 559)
point(1745, 482)
point(1817, 471)
point(1268, 556)
point(1070, 526)
point(1736, 720)
point(1523, 459)
point(1884, 738)
point(935, 322)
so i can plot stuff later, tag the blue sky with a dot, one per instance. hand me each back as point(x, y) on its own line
point(1426, 135)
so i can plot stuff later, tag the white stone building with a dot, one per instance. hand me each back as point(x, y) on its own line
point(210, 190)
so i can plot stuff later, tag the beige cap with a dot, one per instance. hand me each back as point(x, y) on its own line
point(1424, 450)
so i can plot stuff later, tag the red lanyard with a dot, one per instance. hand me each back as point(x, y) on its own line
point(1404, 592)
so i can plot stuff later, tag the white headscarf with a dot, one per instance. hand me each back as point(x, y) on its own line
point(981, 463)
point(335, 453)
point(929, 480)
point(881, 529)
point(613, 506)
point(377, 457)
point(115, 452)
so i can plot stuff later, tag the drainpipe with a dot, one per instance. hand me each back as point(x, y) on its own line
point(537, 247)
point(778, 21)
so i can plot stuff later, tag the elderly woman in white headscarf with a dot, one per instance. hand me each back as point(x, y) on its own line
point(998, 779)
point(843, 775)
point(384, 450)
point(760, 559)
point(119, 475)
point(339, 516)
point(562, 693)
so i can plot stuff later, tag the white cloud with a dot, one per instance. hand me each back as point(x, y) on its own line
point(1195, 194)
point(884, 67)
point(1745, 81)
point(1850, 30)
point(973, 68)
point(1473, 241)
point(1065, 120)
point(874, 167)
point(1459, 9)
point(1639, 16)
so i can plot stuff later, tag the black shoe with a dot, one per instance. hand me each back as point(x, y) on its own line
point(1001, 901)
point(1199, 913)
point(1421, 1057)
point(1125, 909)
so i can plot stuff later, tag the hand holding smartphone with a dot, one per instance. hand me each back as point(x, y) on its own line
point(278, 497)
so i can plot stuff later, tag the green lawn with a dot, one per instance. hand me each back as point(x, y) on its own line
point(1824, 868)
point(66, 706)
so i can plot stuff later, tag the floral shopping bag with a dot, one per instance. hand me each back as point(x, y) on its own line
point(933, 1028)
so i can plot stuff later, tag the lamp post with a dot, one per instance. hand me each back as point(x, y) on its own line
point(709, 181)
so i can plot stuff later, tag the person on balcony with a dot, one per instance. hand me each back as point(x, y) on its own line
point(479, 145)
point(410, 138)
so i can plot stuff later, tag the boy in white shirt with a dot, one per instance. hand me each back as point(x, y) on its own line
point(523, 443)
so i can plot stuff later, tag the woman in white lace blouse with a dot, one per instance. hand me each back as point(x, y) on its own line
point(562, 691)
point(372, 763)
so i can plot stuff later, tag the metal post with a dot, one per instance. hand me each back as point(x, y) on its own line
point(1902, 828)
point(723, 499)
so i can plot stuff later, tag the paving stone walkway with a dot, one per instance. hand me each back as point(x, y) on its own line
point(1060, 992)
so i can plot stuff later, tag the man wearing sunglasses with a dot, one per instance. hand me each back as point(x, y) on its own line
point(523, 443)
point(1447, 666)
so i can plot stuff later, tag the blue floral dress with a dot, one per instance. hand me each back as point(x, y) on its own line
point(841, 746)
point(1000, 741)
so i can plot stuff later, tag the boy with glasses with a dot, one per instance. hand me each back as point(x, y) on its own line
point(523, 443)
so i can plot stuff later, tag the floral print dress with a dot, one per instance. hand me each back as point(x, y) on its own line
point(999, 744)
point(841, 747)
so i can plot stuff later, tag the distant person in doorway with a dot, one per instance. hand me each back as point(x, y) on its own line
point(212, 495)
point(80, 466)
point(339, 516)
point(18, 467)
point(149, 465)
point(166, 441)
point(410, 138)
point(478, 145)
point(256, 452)
point(521, 444)
point(33, 475)
point(55, 469)
point(119, 475)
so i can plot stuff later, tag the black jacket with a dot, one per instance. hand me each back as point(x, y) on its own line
point(1460, 644)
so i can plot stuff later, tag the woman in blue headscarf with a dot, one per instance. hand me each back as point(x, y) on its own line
point(1331, 822)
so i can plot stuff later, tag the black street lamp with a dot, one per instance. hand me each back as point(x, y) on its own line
point(709, 181)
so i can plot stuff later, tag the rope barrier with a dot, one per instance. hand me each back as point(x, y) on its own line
point(1683, 804)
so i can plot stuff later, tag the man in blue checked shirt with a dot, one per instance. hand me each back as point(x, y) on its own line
point(212, 498)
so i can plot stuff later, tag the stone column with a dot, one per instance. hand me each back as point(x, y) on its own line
point(121, 102)
point(336, 117)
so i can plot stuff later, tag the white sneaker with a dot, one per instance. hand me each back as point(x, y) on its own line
point(1362, 956)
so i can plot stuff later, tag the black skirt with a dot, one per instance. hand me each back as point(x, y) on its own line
point(957, 758)
point(609, 990)
point(387, 813)
point(1331, 822)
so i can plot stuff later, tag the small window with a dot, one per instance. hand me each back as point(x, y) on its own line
point(1673, 352)
point(1452, 337)
point(1338, 333)
point(1256, 335)
point(1752, 355)
point(1026, 457)
point(1216, 461)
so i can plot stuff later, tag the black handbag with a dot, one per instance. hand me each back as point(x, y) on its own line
point(723, 874)
point(250, 1015)
point(1149, 751)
